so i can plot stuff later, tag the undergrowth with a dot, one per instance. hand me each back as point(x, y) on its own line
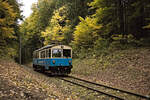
point(92, 65)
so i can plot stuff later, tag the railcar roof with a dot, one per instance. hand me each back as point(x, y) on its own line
point(48, 46)
point(45, 47)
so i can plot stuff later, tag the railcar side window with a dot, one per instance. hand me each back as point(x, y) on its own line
point(56, 53)
point(43, 54)
point(38, 54)
point(66, 52)
point(34, 54)
point(49, 53)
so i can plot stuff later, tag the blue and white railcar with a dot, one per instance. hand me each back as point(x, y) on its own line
point(53, 58)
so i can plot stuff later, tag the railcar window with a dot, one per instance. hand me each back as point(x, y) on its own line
point(66, 52)
point(56, 53)
point(34, 55)
point(49, 53)
point(38, 54)
point(43, 54)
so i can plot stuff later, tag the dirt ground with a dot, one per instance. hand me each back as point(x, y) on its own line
point(127, 70)
point(131, 71)
point(17, 83)
point(9, 91)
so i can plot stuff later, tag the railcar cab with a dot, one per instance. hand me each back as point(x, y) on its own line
point(55, 58)
point(61, 51)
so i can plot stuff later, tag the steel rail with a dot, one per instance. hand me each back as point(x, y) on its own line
point(27, 68)
point(93, 89)
point(135, 94)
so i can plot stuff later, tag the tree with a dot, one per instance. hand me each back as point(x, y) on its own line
point(137, 15)
point(86, 32)
point(7, 19)
point(9, 15)
point(147, 19)
point(121, 17)
point(59, 26)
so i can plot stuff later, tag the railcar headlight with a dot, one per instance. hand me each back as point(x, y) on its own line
point(54, 61)
point(69, 61)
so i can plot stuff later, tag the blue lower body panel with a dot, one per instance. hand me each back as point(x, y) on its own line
point(54, 64)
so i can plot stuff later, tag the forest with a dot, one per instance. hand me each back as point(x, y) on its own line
point(91, 27)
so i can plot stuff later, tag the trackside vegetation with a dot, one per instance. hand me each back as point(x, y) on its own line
point(9, 28)
point(92, 27)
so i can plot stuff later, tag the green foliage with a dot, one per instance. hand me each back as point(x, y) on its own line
point(51, 21)
point(7, 18)
point(137, 14)
point(106, 15)
point(86, 32)
point(36, 28)
point(32, 27)
point(91, 27)
point(101, 47)
point(9, 15)
point(147, 26)
point(59, 26)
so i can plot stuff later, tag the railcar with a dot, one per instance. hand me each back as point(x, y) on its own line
point(57, 59)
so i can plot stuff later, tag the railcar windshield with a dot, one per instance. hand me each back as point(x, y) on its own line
point(56, 52)
point(66, 53)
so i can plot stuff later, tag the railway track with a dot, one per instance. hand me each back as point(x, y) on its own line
point(115, 93)
point(118, 94)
